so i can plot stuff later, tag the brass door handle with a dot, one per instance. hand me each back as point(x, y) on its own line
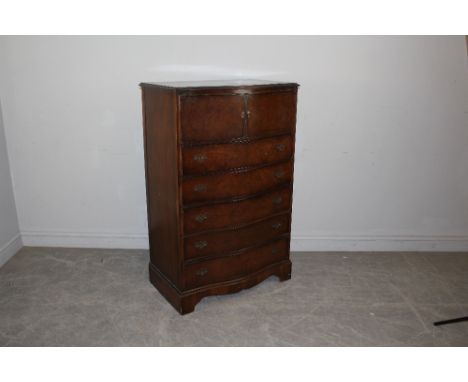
point(201, 244)
point(200, 188)
point(245, 114)
point(201, 218)
point(200, 158)
point(202, 272)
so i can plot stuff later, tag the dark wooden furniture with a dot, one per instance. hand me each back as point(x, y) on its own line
point(219, 174)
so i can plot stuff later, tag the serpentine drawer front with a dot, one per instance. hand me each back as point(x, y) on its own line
point(207, 188)
point(219, 161)
point(226, 241)
point(236, 212)
point(209, 158)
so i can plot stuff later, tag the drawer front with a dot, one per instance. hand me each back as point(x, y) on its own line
point(211, 118)
point(216, 243)
point(214, 187)
point(202, 159)
point(232, 267)
point(271, 114)
point(225, 215)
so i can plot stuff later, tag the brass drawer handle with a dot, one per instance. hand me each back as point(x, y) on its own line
point(201, 244)
point(201, 218)
point(245, 114)
point(200, 188)
point(202, 272)
point(276, 225)
point(280, 147)
point(277, 200)
point(279, 174)
point(200, 158)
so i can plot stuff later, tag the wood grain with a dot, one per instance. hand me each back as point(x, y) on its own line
point(237, 212)
point(162, 180)
point(211, 158)
point(219, 163)
point(208, 188)
point(225, 241)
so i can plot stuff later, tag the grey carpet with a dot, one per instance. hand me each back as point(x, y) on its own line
point(90, 297)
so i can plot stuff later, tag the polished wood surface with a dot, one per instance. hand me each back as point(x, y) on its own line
point(211, 117)
point(219, 160)
point(162, 180)
point(271, 113)
point(238, 183)
point(232, 267)
point(219, 157)
point(237, 212)
point(225, 241)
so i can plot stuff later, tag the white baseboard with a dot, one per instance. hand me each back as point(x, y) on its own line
point(10, 248)
point(298, 243)
point(84, 240)
point(380, 243)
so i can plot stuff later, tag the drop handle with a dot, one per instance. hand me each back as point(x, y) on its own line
point(275, 250)
point(200, 188)
point(201, 218)
point(279, 174)
point(202, 272)
point(277, 200)
point(276, 225)
point(201, 244)
point(200, 158)
point(280, 147)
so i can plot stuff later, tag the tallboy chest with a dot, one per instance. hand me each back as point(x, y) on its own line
point(219, 160)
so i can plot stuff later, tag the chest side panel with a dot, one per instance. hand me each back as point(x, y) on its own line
point(162, 182)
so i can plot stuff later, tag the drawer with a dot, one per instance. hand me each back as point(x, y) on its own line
point(232, 267)
point(229, 214)
point(208, 188)
point(202, 159)
point(211, 118)
point(271, 113)
point(216, 243)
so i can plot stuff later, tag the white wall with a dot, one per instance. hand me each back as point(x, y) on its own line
point(10, 241)
point(382, 145)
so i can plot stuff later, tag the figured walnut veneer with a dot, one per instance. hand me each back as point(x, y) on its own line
point(219, 160)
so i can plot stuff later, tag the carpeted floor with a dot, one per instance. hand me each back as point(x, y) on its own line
point(91, 297)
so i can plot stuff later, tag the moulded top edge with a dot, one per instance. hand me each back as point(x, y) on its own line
point(217, 84)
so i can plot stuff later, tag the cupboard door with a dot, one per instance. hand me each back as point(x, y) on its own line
point(211, 117)
point(271, 113)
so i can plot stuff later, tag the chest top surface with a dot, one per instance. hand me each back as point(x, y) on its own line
point(235, 83)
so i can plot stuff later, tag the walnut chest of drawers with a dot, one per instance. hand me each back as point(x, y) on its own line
point(219, 159)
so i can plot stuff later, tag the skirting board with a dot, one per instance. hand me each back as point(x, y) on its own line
point(380, 243)
point(84, 240)
point(298, 243)
point(8, 250)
